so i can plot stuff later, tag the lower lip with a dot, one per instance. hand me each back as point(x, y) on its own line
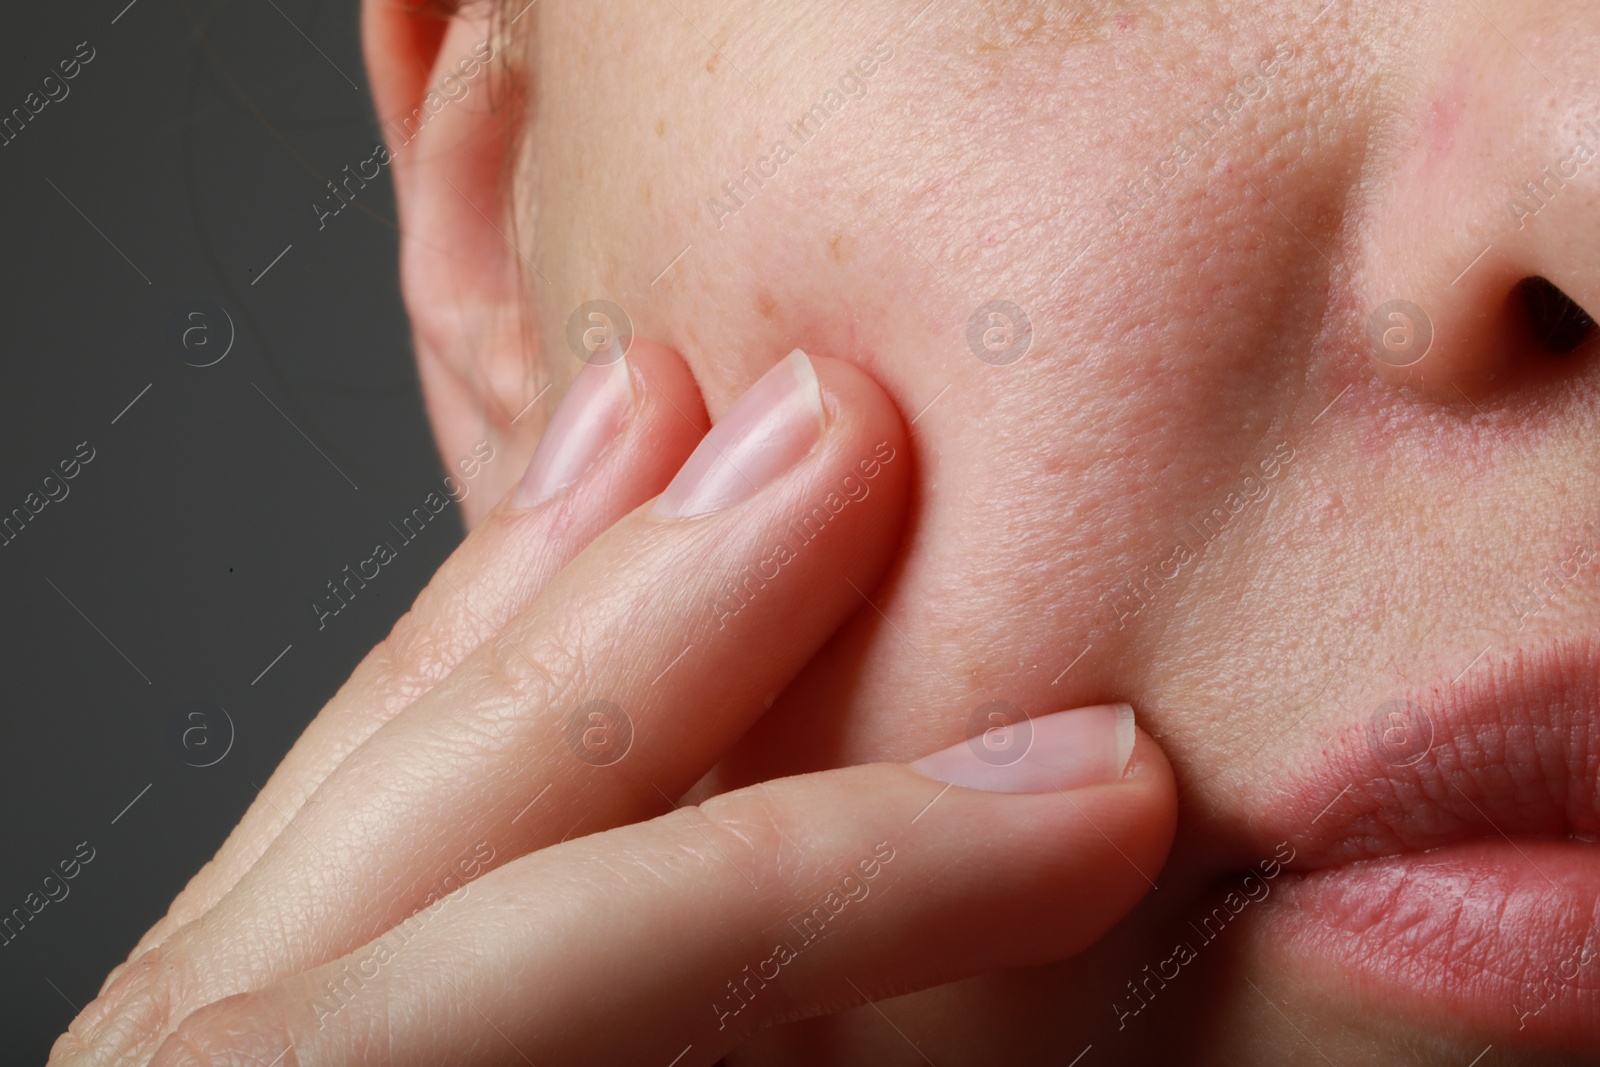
point(1496, 939)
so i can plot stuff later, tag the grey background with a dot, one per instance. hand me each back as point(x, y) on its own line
point(188, 552)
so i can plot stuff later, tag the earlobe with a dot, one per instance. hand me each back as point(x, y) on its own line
point(448, 99)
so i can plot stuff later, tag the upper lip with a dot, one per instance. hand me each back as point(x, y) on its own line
point(1514, 753)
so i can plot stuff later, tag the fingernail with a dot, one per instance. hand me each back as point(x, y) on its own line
point(767, 431)
point(594, 409)
point(1066, 750)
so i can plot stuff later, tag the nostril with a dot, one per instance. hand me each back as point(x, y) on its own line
point(1557, 323)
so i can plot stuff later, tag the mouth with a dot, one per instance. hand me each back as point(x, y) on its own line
point(1444, 859)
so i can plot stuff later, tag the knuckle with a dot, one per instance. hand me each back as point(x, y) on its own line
point(240, 1031)
point(415, 654)
point(519, 672)
point(528, 677)
point(745, 830)
point(139, 1005)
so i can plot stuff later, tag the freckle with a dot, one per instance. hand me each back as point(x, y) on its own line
point(766, 305)
point(836, 248)
point(711, 64)
point(661, 127)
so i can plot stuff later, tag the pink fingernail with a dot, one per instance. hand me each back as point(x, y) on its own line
point(767, 431)
point(594, 409)
point(1066, 750)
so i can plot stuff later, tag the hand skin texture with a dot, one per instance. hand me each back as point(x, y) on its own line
point(497, 842)
point(1223, 482)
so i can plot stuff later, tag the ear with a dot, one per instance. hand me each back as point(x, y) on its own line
point(448, 99)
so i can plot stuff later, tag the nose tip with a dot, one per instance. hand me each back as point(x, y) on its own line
point(1479, 266)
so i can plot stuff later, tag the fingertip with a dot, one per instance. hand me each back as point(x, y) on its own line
point(664, 379)
point(617, 434)
point(1088, 823)
point(1138, 815)
point(1148, 764)
point(851, 395)
point(1143, 809)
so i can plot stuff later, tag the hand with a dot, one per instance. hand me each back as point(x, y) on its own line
point(578, 663)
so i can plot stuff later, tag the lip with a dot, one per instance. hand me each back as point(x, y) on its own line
point(1455, 882)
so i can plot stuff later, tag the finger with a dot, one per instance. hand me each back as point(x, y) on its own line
point(672, 631)
point(669, 941)
point(494, 574)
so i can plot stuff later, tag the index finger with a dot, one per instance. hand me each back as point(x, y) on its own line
point(494, 574)
point(671, 621)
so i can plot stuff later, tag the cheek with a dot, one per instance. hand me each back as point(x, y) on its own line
point(903, 221)
point(1167, 265)
point(1082, 529)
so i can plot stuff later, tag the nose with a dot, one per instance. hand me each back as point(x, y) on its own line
point(1479, 267)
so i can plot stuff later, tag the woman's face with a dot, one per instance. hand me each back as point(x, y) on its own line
point(1228, 403)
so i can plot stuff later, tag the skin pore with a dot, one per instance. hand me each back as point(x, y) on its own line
point(1203, 489)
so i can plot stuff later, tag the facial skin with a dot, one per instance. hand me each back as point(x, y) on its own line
point(1200, 341)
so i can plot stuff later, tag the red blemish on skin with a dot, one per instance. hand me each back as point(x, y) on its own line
point(1328, 506)
point(1440, 125)
point(1124, 23)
